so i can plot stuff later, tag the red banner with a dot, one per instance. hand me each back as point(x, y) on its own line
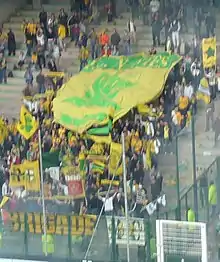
point(76, 188)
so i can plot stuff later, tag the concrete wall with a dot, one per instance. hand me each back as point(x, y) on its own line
point(8, 7)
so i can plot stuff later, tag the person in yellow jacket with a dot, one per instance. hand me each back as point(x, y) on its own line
point(191, 218)
point(183, 104)
point(48, 244)
point(83, 57)
point(61, 36)
point(136, 143)
point(191, 215)
point(166, 136)
point(32, 28)
point(212, 198)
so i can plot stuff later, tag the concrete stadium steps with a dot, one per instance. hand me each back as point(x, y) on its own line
point(51, 8)
point(69, 60)
point(11, 93)
point(10, 96)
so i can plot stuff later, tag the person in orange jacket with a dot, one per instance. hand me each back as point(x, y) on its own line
point(104, 39)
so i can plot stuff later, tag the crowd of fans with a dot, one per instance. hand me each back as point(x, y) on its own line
point(149, 129)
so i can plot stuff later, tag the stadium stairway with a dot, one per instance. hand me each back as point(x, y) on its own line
point(10, 93)
point(69, 60)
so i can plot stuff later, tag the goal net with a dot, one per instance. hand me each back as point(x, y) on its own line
point(181, 241)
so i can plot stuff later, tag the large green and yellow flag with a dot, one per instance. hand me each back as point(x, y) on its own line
point(115, 161)
point(3, 131)
point(27, 125)
point(109, 87)
point(26, 175)
point(209, 52)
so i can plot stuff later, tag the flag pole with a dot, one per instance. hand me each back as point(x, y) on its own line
point(125, 193)
point(42, 190)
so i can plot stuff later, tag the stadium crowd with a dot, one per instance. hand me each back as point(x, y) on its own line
point(149, 129)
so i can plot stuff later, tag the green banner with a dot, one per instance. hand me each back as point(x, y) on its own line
point(111, 86)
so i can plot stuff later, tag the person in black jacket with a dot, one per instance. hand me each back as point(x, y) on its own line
point(156, 28)
point(43, 18)
point(11, 43)
point(210, 25)
point(115, 39)
point(62, 19)
point(71, 23)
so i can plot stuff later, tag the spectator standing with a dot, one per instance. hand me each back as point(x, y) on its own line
point(61, 36)
point(127, 43)
point(50, 39)
point(115, 40)
point(104, 39)
point(93, 42)
point(209, 119)
point(156, 28)
point(28, 75)
point(213, 198)
point(72, 21)
point(108, 202)
point(43, 18)
point(76, 34)
point(132, 30)
point(181, 16)
point(62, 20)
point(196, 47)
point(40, 79)
point(3, 69)
point(217, 130)
point(143, 9)
point(52, 22)
point(175, 32)
point(56, 54)
point(166, 27)
point(29, 42)
point(41, 61)
point(32, 28)
point(83, 57)
point(210, 25)
point(11, 43)
point(21, 60)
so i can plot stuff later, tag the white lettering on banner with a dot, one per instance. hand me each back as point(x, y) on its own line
point(136, 231)
point(73, 177)
point(18, 260)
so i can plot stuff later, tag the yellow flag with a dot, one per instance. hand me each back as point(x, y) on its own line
point(115, 156)
point(70, 170)
point(28, 125)
point(27, 175)
point(4, 201)
point(148, 155)
point(3, 131)
point(209, 52)
point(106, 182)
point(143, 109)
point(203, 92)
point(99, 139)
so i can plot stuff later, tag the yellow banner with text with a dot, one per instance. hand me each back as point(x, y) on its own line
point(56, 224)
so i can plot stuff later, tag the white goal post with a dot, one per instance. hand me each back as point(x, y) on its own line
point(181, 241)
